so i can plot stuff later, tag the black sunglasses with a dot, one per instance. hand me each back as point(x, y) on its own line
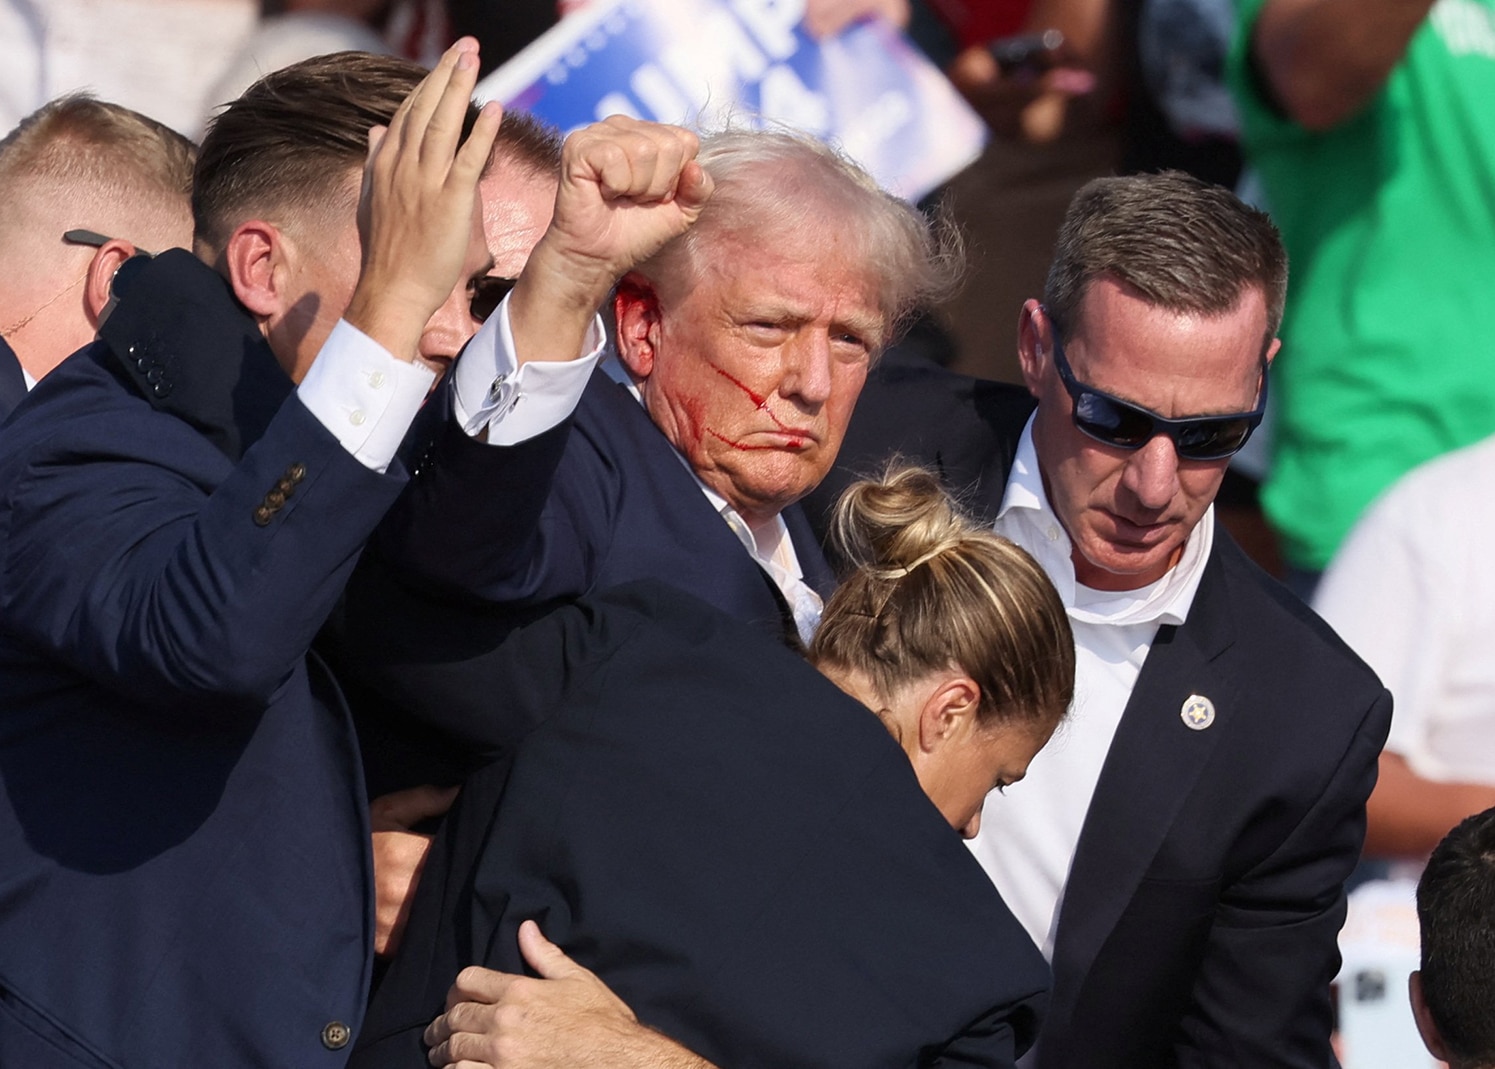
point(487, 293)
point(1123, 425)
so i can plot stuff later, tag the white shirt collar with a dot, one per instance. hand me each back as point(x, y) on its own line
point(1027, 518)
point(772, 547)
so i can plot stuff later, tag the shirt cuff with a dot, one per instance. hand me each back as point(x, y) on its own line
point(363, 395)
point(517, 402)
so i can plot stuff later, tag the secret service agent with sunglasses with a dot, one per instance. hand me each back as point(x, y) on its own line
point(1179, 855)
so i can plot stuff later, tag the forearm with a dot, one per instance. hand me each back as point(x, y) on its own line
point(1325, 59)
point(1407, 815)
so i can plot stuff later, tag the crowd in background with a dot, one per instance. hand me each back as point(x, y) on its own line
point(1361, 128)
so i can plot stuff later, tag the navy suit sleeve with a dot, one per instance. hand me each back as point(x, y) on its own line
point(1261, 997)
point(497, 524)
point(129, 550)
point(464, 671)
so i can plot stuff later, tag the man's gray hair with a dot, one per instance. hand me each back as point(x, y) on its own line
point(774, 182)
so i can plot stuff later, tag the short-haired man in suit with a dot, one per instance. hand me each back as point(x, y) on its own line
point(1179, 851)
point(184, 823)
point(87, 184)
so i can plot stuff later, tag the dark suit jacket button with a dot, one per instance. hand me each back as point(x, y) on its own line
point(275, 499)
point(295, 473)
point(162, 389)
point(336, 1035)
point(262, 516)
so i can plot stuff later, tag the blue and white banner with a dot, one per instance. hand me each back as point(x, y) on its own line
point(707, 63)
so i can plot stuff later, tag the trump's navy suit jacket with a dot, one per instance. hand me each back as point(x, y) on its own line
point(12, 383)
point(1198, 925)
point(185, 876)
point(620, 505)
point(737, 847)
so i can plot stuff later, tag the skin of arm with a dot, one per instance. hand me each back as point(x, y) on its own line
point(566, 1019)
point(1407, 815)
point(1325, 59)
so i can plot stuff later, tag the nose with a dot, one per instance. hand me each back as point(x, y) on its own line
point(972, 827)
point(450, 328)
point(807, 368)
point(1151, 473)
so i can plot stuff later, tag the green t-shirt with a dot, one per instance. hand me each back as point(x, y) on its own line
point(1388, 355)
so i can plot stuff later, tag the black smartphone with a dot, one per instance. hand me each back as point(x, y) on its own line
point(1026, 53)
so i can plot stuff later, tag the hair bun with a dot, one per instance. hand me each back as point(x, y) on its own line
point(898, 522)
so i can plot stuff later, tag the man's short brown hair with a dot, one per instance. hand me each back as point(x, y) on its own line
point(1185, 245)
point(287, 147)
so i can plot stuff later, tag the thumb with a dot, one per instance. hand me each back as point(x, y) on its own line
point(693, 189)
point(543, 956)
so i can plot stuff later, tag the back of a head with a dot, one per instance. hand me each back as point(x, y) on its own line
point(1456, 912)
point(1184, 245)
point(78, 162)
point(773, 183)
point(931, 588)
point(287, 150)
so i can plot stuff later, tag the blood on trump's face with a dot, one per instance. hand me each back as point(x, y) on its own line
point(752, 365)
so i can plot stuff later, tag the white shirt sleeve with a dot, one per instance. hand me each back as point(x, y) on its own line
point(363, 395)
point(517, 402)
point(1384, 595)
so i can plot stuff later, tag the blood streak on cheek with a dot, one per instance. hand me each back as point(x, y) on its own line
point(759, 401)
point(693, 421)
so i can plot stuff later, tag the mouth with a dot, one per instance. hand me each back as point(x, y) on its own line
point(1142, 535)
point(784, 439)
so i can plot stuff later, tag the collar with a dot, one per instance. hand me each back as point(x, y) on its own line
point(1027, 518)
point(180, 339)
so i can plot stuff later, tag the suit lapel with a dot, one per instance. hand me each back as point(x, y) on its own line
point(1150, 769)
point(12, 382)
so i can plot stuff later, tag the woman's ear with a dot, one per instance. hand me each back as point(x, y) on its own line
point(100, 278)
point(637, 314)
point(948, 710)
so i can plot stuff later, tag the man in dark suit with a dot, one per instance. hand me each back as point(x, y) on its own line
point(741, 350)
point(185, 830)
point(1180, 854)
point(1180, 850)
point(91, 169)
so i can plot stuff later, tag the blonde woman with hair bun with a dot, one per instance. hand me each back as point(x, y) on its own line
point(738, 860)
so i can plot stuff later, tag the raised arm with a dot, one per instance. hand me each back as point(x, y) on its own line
point(1324, 60)
point(161, 581)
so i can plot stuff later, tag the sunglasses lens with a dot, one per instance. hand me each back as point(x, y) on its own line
point(1102, 418)
point(488, 293)
point(1212, 439)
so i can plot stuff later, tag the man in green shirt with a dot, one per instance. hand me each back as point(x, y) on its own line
point(1371, 123)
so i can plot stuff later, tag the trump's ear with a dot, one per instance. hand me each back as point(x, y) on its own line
point(256, 260)
point(636, 313)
